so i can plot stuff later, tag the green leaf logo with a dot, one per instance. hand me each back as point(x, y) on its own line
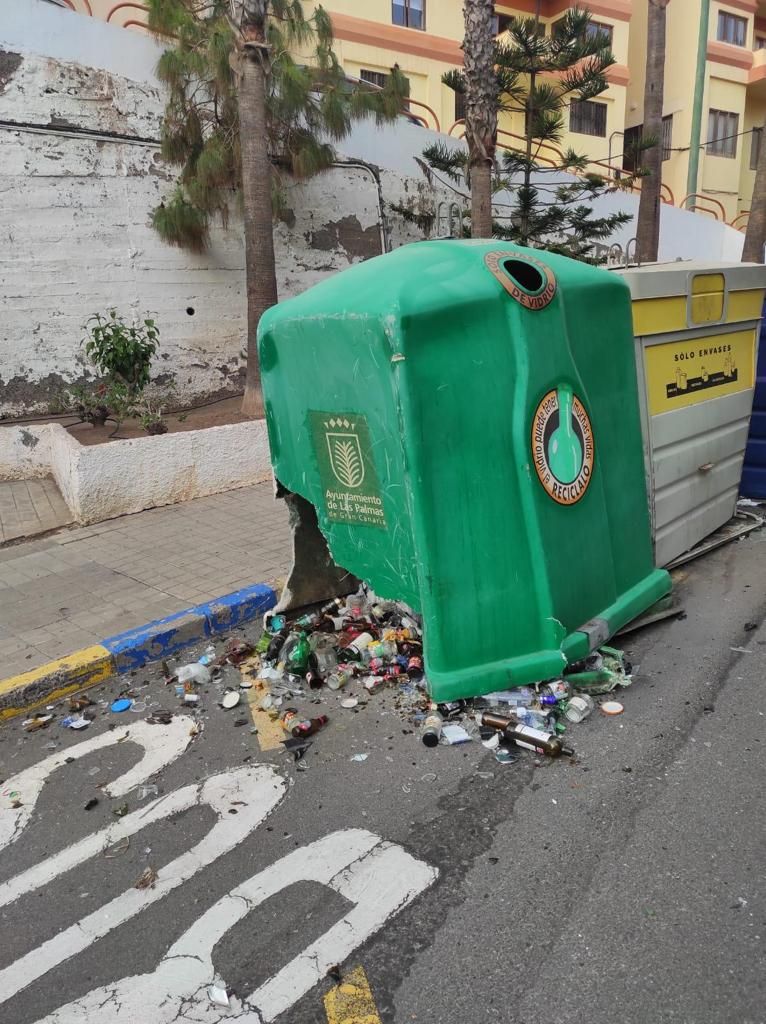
point(346, 459)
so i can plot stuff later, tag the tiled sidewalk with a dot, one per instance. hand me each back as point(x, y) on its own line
point(73, 589)
point(31, 507)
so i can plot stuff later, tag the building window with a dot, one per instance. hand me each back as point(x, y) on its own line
point(755, 148)
point(722, 133)
point(667, 136)
point(731, 29)
point(502, 22)
point(460, 106)
point(594, 28)
point(631, 160)
point(760, 43)
point(587, 118)
point(377, 78)
point(410, 13)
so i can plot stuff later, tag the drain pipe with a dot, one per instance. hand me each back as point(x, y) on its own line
point(373, 172)
point(699, 90)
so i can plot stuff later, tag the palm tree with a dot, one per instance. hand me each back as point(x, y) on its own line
point(755, 235)
point(480, 110)
point(242, 110)
point(648, 228)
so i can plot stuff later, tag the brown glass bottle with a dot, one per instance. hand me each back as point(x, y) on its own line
point(523, 736)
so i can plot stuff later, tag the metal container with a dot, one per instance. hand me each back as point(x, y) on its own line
point(696, 333)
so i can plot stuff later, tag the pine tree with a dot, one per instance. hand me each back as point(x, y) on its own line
point(243, 114)
point(540, 76)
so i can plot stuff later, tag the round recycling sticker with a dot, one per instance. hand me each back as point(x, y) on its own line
point(562, 445)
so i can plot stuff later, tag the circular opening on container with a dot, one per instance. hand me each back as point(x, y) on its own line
point(190, 310)
point(526, 275)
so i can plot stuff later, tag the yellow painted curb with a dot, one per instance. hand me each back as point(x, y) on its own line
point(352, 1001)
point(58, 678)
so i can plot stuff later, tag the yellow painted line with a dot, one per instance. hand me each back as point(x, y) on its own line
point(271, 735)
point(352, 1001)
point(54, 680)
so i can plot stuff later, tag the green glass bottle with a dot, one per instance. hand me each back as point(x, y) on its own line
point(298, 658)
point(564, 448)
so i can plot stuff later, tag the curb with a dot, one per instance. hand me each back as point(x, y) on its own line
point(132, 649)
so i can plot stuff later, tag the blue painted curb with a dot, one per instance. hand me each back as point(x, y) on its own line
point(164, 638)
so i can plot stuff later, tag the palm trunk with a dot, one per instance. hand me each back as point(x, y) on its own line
point(648, 229)
point(755, 236)
point(260, 266)
point(481, 110)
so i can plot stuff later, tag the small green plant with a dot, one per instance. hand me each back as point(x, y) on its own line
point(86, 401)
point(150, 411)
point(123, 353)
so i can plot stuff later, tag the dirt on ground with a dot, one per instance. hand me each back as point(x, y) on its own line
point(216, 414)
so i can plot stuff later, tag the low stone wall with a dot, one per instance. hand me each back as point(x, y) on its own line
point(107, 480)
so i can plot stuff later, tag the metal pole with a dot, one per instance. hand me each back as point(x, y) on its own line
point(699, 90)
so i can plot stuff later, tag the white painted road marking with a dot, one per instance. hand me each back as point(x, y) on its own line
point(260, 788)
point(378, 877)
point(161, 745)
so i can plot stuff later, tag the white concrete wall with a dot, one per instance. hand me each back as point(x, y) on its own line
point(106, 480)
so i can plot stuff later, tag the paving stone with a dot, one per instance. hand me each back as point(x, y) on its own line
point(76, 587)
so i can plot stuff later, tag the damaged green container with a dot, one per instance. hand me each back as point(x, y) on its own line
point(464, 418)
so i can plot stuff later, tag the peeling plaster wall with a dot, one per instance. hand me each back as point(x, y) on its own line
point(76, 238)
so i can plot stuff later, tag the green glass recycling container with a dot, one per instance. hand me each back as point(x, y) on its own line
point(464, 418)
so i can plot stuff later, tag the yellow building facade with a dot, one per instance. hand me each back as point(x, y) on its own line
point(423, 37)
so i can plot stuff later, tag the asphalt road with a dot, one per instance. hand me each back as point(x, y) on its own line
point(627, 884)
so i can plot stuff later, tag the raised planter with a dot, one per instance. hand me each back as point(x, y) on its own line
point(107, 480)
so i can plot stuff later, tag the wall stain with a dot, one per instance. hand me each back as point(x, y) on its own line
point(9, 65)
point(349, 235)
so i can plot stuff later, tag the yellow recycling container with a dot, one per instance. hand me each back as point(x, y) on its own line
point(696, 330)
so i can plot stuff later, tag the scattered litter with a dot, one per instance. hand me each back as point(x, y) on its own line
point(349, 702)
point(147, 879)
point(579, 707)
point(750, 626)
point(522, 736)
point(218, 996)
point(748, 503)
point(147, 790)
point(493, 742)
point(37, 722)
point(123, 704)
point(191, 698)
point(78, 703)
point(75, 722)
point(504, 756)
point(208, 656)
point(454, 734)
point(94, 770)
point(612, 707)
point(160, 717)
point(118, 848)
point(120, 811)
point(429, 777)
point(138, 706)
point(230, 699)
point(196, 674)
point(246, 684)
point(432, 729)
point(742, 650)
point(93, 802)
point(359, 757)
